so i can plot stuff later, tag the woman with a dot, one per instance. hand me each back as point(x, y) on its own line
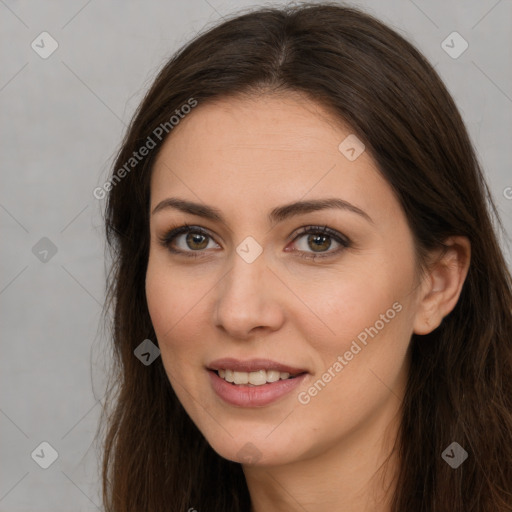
point(300, 225)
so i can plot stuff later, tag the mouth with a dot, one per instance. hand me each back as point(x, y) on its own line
point(253, 372)
point(256, 378)
point(253, 383)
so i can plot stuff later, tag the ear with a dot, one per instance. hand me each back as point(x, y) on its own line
point(442, 284)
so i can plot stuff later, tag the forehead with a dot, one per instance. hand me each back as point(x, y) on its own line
point(256, 152)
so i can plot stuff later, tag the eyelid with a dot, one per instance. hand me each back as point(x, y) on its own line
point(341, 239)
point(171, 234)
point(322, 229)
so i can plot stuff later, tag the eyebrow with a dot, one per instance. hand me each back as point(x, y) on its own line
point(278, 214)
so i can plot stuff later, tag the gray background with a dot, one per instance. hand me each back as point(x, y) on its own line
point(62, 119)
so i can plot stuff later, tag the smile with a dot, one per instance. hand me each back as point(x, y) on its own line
point(257, 378)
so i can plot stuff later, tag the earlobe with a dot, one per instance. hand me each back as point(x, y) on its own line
point(442, 284)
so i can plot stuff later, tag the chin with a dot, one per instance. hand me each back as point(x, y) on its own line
point(248, 450)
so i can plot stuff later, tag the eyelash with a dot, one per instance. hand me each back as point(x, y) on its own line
point(167, 238)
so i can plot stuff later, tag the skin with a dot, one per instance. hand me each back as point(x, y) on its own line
point(246, 156)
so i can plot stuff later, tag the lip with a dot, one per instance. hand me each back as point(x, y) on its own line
point(253, 365)
point(253, 396)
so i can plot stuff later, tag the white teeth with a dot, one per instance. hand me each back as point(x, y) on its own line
point(273, 375)
point(257, 378)
point(241, 378)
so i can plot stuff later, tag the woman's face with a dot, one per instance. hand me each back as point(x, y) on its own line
point(246, 283)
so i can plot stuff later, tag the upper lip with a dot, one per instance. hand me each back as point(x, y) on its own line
point(252, 365)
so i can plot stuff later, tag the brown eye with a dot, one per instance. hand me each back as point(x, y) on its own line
point(187, 240)
point(196, 241)
point(319, 242)
point(315, 241)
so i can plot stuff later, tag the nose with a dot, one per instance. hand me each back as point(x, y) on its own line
point(247, 301)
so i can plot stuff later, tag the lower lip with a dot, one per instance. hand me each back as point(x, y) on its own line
point(253, 396)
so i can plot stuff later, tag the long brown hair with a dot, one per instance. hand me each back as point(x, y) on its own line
point(460, 384)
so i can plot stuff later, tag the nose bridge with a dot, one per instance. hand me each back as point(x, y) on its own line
point(246, 299)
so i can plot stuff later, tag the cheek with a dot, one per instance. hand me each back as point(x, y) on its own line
point(361, 365)
point(159, 296)
point(171, 294)
point(362, 309)
point(344, 302)
point(176, 303)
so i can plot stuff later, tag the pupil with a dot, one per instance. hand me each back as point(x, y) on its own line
point(195, 238)
point(317, 238)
